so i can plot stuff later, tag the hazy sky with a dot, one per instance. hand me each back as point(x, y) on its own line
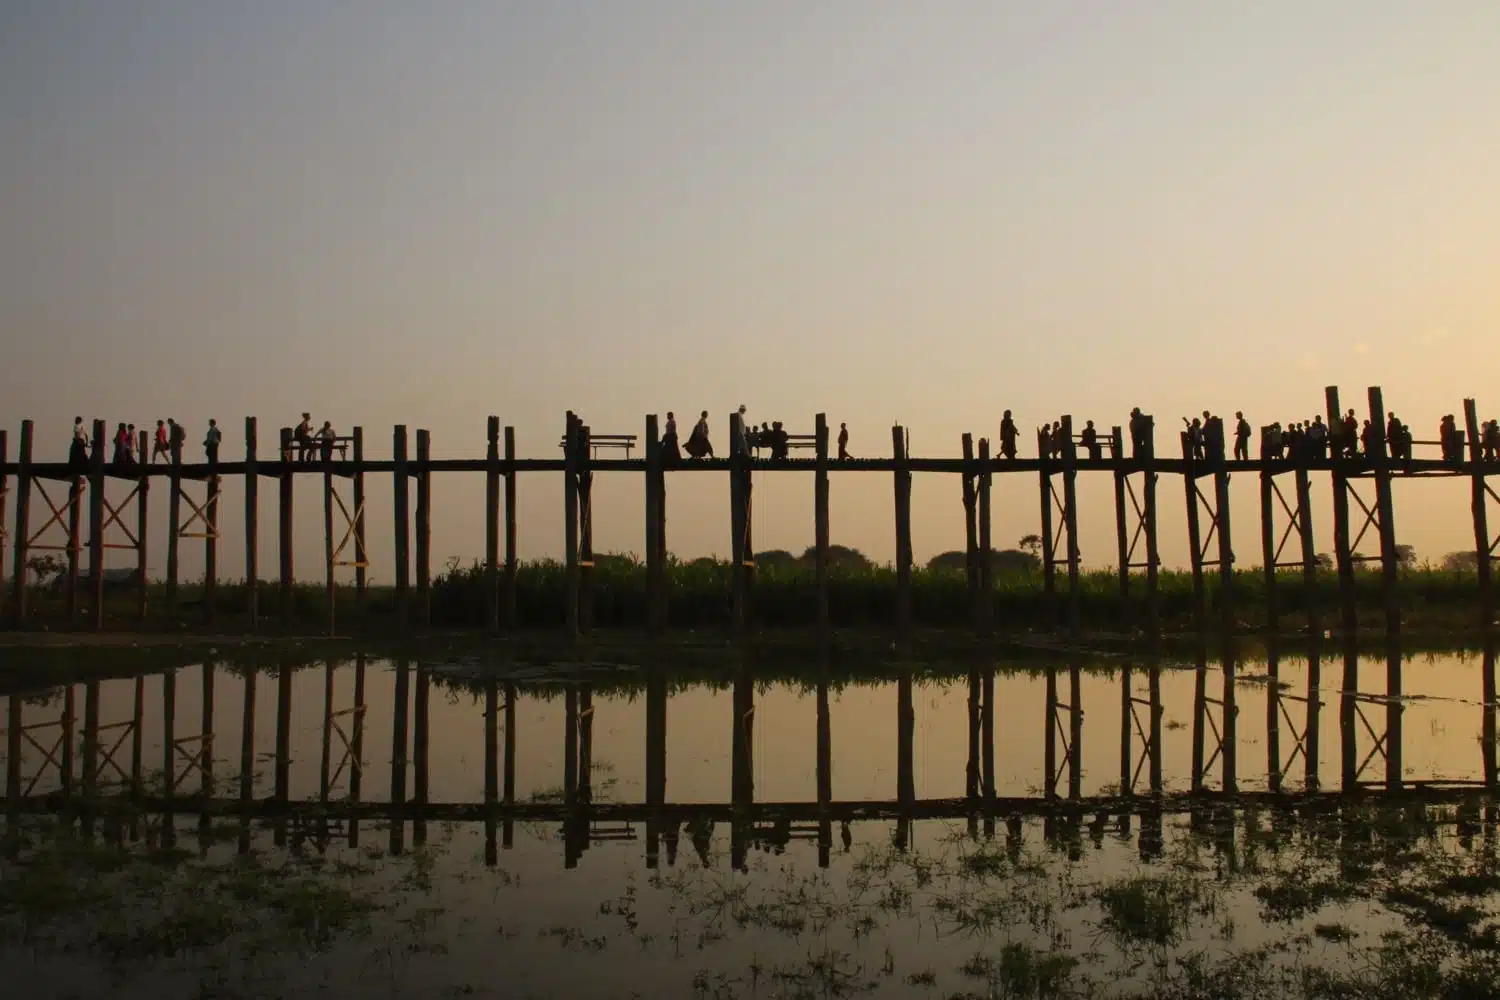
point(385, 212)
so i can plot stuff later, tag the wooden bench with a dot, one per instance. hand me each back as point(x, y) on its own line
point(315, 448)
point(793, 441)
point(597, 441)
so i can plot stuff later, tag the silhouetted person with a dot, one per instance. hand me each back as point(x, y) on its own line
point(179, 438)
point(1393, 437)
point(325, 438)
point(160, 446)
point(1194, 439)
point(1044, 441)
point(1452, 440)
point(130, 447)
point(843, 442)
point(1491, 439)
point(1241, 437)
point(1367, 438)
point(1317, 437)
point(1059, 442)
point(78, 450)
point(303, 436)
point(1140, 434)
point(780, 442)
point(121, 454)
point(211, 442)
point(1213, 437)
point(1090, 441)
point(1007, 436)
point(1351, 437)
point(746, 432)
point(698, 445)
point(670, 453)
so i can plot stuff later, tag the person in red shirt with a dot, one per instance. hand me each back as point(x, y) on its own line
point(160, 445)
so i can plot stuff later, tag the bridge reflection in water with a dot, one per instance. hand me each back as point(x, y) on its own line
point(98, 769)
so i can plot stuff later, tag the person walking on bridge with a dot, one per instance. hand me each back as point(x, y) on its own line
point(211, 442)
point(1241, 437)
point(1008, 436)
point(843, 442)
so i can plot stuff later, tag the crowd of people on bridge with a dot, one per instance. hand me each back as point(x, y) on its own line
point(771, 435)
point(166, 443)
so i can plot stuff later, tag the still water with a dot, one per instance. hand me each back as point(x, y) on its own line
point(364, 827)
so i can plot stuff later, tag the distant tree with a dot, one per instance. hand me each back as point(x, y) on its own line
point(1014, 562)
point(1461, 562)
point(1003, 561)
point(617, 560)
point(841, 556)
point(951, 562)
point(1030, 543)
point(775, 559)
point(1325, 562)
point(703, 563)
point(1406, 556)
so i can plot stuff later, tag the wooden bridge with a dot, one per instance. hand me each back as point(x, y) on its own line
point(1363, 517)
point(96, 766)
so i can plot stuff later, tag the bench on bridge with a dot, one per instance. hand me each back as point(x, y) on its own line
point(597, 441)
point(316, 448)
point(793, 442)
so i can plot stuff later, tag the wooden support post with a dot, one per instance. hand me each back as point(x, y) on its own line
point(511, 555)
point(906, 728)
point(1200, 714)
point(509, 765)
point(90, 741)
point(743, 777)
point(1348, 716)
point(401, 517)
point(22, 536)
point(357, 742)
point(1478, 505)
point(174, 518)
point(1049, 542)
point(1075, 730)
point(824, 766)
point(491, 738)
point(1311, 728)
point(1309, 551)
point(206, 747)
point(1228, 716)
point(585, 530)
point(1488, 729)
point(1348, 612)
point(1127, 786)
point(1195, 542)
point(325, 767)
point(1268, 546)
point(247, 754)
point(1153, 680)
point(986, 542)
point(75, 527)
point(283, 778)
point(400, 721)
point(1049, 743)
point(4, 495)
point(137, 741)
point(1226, 551)
point(655, 571)
point(1153, 553)
point(1122, 529)
point(656, 736)
point(1390, 560)
point(331, 579)
point(420, 745)
point(971, 767)
point(738, 525)
point(570, 521)
point(211, 545)
point(492, 538)
point(1394, 709)
point(424, 529)
point(361, 557)
point(284, 528)
point(987, 732)
point(96, 529)
point(252, 522)
point(14, 721)
point(820, 523)
point(903, 530)
point(971, 526)
point(1070, 524)
point(168, 738)
point(570, 744)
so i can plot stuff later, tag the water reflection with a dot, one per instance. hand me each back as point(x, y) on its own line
point(602, 750)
